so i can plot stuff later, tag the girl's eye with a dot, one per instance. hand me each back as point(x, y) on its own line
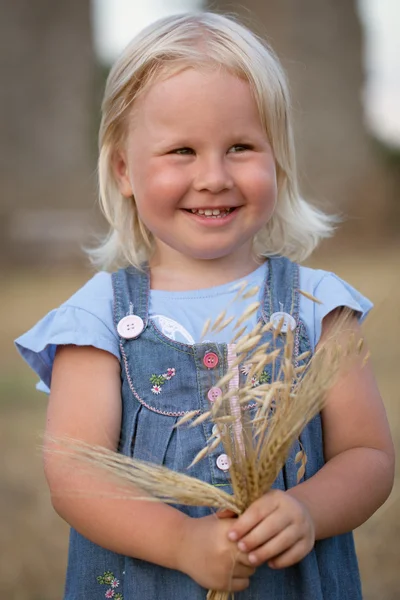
point(183, 151)
point(240, 148)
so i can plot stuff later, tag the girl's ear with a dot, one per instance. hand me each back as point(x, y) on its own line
point(121, 173)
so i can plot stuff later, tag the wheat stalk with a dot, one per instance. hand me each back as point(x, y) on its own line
point(161, 483)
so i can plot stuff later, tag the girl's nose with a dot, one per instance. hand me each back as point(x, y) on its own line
point(212, 175)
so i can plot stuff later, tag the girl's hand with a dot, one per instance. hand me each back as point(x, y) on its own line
point(277, 529)
point(208, 557)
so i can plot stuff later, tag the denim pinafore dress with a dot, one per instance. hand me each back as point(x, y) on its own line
point(161, 381)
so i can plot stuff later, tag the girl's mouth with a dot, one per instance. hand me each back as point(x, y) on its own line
point(211, 213)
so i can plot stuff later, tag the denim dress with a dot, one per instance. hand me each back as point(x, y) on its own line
point(162, 380)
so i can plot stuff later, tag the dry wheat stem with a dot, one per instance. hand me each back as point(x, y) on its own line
point(252, 292)
point(218, 320)
point(310, 297)
point(205, 329)
point(239, 334)
point(224, 324)
point(239, 293)
point(156, 480)
point(250, 310)
point(190, 415)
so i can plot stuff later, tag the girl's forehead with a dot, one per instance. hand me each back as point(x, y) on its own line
point(184, 80)
point(212, 89)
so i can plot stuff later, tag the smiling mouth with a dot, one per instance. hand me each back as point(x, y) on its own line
point(212, 213)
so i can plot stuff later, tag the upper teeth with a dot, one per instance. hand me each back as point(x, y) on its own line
point(208, 212)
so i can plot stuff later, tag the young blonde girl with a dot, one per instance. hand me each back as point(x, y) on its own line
point(198, 183)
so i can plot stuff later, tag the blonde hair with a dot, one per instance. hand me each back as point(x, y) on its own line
point(194, 40)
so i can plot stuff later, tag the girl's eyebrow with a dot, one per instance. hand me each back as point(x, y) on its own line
point(234, 138)
point(178, 143)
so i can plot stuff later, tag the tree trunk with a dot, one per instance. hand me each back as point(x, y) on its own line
point(46, 113)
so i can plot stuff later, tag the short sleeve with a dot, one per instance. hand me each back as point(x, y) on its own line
point(333, 292)
point(86, 319)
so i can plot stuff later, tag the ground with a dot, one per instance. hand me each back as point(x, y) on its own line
point(34, 539)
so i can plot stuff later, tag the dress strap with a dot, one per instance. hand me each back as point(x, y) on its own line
point(281, 290)
point(281, 295)
point(131, 288)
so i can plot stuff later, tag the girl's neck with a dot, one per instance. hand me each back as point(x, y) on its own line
point(184, 275)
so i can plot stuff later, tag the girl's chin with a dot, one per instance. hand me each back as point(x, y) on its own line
point(196, 247)
point(222, 255)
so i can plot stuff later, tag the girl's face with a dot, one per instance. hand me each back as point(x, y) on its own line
point(198, 163)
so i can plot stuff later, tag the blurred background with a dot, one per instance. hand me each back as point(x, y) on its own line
point(343, 62)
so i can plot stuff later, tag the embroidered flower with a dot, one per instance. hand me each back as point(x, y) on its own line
point(108, 578)
point(254, 381)
point(245, 369)
point(159, 380)
point(170, 373)
point(265, 377)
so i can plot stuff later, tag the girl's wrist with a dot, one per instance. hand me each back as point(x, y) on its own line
point(179, 543)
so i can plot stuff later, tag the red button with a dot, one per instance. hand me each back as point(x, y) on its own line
point(214, 393)
point(210, 360)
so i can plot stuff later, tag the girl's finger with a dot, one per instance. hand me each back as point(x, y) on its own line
point(258, 511)
point(239, 584)
point(242, 571)
point(225, 514)
point(279, 544)
point(292, 556)
point(264, 531)
point(243, 559)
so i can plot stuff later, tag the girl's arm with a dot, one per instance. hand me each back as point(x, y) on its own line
point(85, 404)
point(281, 527)
point(359, 471)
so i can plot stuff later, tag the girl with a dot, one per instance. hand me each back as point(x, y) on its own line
point(198, 182)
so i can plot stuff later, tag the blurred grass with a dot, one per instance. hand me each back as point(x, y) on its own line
point(34, 540)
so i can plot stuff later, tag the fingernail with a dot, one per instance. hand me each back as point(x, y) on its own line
point(233, 536)
point(252, 558)
point(242, 546)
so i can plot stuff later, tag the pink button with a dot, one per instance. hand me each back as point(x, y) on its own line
point(214, 393)
point(223, 462)
point(210, 360)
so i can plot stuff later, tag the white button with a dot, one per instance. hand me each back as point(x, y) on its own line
point(288, 321)
point(219, 429)
point(223, 462)
point(130, 327)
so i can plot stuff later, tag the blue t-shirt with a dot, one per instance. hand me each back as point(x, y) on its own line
point(86, 319)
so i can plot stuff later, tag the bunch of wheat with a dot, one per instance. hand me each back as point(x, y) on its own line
point(257, 441)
